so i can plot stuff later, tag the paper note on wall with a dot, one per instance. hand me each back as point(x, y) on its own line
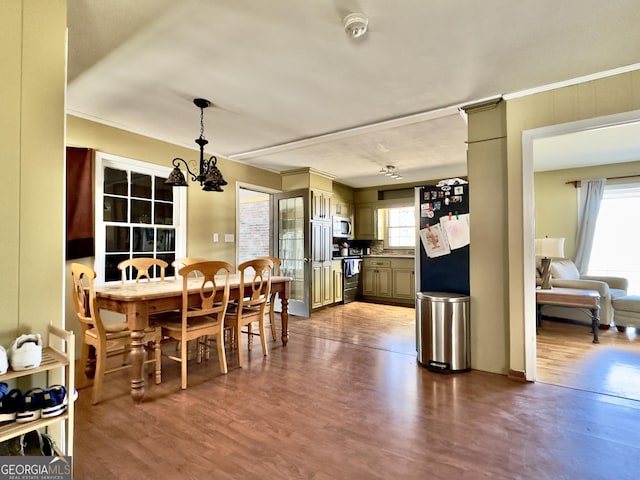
point(434, 241)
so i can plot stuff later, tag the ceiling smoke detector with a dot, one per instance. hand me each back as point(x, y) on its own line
point(355, 24)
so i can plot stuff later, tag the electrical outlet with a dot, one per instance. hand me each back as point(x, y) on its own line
point(216, 238)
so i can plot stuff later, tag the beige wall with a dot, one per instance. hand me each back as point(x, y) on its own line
point(488, 272)
point(32, 89)
point(556, 202)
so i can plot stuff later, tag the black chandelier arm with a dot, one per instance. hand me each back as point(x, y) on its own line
point(176, 163)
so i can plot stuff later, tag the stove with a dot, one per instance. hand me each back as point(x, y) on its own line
point(351, 267)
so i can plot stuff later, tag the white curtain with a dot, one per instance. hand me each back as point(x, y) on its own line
point(590, 197)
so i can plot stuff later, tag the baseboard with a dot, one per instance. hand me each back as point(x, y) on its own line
point(517, 376)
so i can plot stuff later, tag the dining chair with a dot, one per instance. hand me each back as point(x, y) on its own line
point(106, 339)
point(255, 282)
point(178, 263)
point(140, 266)
point(203, 318)
point(272, 297)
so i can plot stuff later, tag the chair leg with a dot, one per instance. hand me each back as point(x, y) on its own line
point(222, 357)
point(83, 379)
point(272, 320)
point(263, 337)
point(183, 367)
point(238, 337)
point(101, 361)
point(249, 337)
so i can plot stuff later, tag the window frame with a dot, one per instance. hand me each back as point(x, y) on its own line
point(387, 227)
point(106, 160)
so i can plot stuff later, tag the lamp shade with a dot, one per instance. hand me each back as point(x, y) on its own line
point(550, 247)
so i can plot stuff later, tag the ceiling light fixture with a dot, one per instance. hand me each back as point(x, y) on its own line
point(209, 176)
point(390, 171)
point(356, 24)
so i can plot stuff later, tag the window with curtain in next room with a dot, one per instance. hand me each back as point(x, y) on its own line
point(615, 249)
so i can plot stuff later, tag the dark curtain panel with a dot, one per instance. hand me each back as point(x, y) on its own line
point(80, 239)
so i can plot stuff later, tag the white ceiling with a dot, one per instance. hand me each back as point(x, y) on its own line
point(291, 89)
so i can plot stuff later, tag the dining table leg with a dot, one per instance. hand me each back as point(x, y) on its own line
point(284, 316)
point(137, 321)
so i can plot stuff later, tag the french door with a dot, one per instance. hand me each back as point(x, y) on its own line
point(291, 242)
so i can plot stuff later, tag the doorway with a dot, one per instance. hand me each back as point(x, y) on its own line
point(529, 139)
point(254, 224)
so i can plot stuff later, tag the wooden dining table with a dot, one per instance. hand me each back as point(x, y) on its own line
point(140, 300)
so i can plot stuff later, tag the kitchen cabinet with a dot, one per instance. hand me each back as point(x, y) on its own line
point(321, 262)
point(54, 357)
point(366, 221)
point(376, 278)
point(388, 279)
point(337, 280)
point(320, 205)
point(341, 208)
point(403, 279)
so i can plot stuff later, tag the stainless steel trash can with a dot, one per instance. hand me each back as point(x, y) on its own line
point(443, 334)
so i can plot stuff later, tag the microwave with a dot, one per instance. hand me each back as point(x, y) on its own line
point(342, 227)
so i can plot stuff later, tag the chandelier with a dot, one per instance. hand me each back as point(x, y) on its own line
point(390, 171)
point(209, 176)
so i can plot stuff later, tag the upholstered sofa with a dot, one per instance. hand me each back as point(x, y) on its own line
point(565, 274)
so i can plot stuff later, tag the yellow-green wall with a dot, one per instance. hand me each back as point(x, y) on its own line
point(32, 89)
point(207, 212)
point(606, 96)
point(556, 202)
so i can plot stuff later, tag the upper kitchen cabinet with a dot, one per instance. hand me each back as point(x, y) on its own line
point(366, 221)
point(342, 201)
point(320, 205)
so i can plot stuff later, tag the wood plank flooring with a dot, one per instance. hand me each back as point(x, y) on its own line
point(567, 357)
point(346, 399)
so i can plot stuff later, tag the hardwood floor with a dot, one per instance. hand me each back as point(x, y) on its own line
point(346, 399)
point(566, 357)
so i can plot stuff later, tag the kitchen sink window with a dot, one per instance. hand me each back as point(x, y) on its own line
point(399, 227)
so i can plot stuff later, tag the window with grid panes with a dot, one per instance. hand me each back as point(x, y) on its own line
point(401, 227)
point(137, 215)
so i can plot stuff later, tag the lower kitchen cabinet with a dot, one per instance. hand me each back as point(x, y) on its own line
point(389, 280)
point(403, 279)
point(376, 278)
point(338, 287)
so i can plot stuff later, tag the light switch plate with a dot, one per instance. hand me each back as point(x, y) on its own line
point(228, 237)
point(216, 237)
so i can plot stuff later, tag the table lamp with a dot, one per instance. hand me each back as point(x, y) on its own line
point(548, 248)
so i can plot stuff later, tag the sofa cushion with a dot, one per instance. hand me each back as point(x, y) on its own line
point(628, 304)
point(564, 269)
point(618, 293)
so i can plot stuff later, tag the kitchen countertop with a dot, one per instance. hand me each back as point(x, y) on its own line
point(389, 255)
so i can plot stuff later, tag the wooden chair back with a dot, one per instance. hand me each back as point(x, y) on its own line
point(84, 298)
point(255, 282)
point(211, 276)
point(178, 263)
point(277, 263)
point(141, 267)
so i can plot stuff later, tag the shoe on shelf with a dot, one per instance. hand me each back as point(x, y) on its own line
point(26, 352)
point(9, 405)
point(30, 406)
point(4, 362)
point(55, 401)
